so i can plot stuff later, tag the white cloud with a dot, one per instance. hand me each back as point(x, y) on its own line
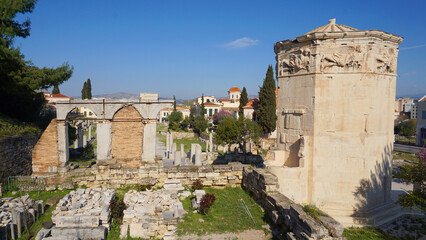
point(412, 47)
point(241, 43)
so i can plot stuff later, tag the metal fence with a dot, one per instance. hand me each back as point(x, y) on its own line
point(26, 183)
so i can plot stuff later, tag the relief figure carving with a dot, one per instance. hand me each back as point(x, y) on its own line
point(296, 62)
point(386, 64)
point(352, 60)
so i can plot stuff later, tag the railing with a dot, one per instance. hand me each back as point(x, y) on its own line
point(26, 183)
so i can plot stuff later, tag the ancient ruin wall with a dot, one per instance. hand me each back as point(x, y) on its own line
point(127, 134)
point(15, 155)
point(45, 156)
point(114, 176)
point(335, 122)
point(353, 126)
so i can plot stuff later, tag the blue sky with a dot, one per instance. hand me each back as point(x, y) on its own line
point(186, 48)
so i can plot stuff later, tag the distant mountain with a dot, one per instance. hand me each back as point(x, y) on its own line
point(414, 96)
point(118, 95)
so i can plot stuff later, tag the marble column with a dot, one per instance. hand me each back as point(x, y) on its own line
point(149, 140)
point(103, 134)
point(63, 146)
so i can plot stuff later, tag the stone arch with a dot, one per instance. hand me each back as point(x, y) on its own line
point(63, 110)
point(127, 134)
point(69, 113)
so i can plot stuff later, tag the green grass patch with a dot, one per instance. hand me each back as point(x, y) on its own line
point(13, 127)
point(226, 214)
point(405, 156)
point(187, 143)
point(161, 127)
point(353, 233)
point(313, 211)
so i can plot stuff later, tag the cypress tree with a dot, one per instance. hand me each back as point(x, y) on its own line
point(267, 116)
point(89, 89)
point(243, 101)
point(174, 103)
point(84, 91)
point(202, 105)
point(55, 89)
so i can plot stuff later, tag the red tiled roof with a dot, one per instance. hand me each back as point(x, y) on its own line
point(210, 104)
point(228, 100)
point(252, 104)
point(234, 89)
point(423, 99)
point(59, 96)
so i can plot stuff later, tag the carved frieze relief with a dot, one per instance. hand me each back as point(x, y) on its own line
point(295, 62)
point(386, 63)
point(348, 58)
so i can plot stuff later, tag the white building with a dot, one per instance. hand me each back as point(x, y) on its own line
point(421, 121)
point(207, 99)
point(165, 112)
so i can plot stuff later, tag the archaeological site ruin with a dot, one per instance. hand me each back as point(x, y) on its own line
point(334, 144)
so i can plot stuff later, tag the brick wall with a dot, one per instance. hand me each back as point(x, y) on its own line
point(15, 155)
point(127, 134)
point(45, 153)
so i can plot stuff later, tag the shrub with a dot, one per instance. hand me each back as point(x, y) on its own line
point(174, 120)
point(197, 185)
point(219, 116)
point(206, 202)
point(200, 124)
point(144, 187)
point(117, 207)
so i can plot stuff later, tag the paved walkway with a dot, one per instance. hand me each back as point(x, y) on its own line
point(160, 147)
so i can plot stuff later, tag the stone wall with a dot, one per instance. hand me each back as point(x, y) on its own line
point(15, 155)
point(115, 175)
point(179, 135)
point(45, 155)
point(127, 134)
point(288, 216)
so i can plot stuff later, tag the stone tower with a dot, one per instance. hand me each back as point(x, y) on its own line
point(335, 119)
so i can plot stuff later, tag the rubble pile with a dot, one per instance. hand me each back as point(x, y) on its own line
point(151, 214)
point(15, 211)
point(83, 214)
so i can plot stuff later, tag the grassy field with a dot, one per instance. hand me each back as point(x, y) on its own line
point(363, 233)
point(226, 214)
point(12, 127)
point(187, 143)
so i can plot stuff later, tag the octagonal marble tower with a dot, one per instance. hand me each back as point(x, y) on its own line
point(336, 92)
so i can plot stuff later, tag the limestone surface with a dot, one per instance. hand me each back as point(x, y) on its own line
point(151, 214)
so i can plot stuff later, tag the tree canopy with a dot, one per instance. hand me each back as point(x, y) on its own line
point(200, 124)
point(20, 81)
point(86, 91)
point(406, 128)
point(267, 116)
point(56, 90)
point(175, 119)
point(414, 172)
point(203, 108)
point(233, 131)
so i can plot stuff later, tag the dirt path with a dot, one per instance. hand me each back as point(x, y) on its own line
point(246, 235)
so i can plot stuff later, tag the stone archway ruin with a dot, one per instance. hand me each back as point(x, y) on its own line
point(51, 152)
